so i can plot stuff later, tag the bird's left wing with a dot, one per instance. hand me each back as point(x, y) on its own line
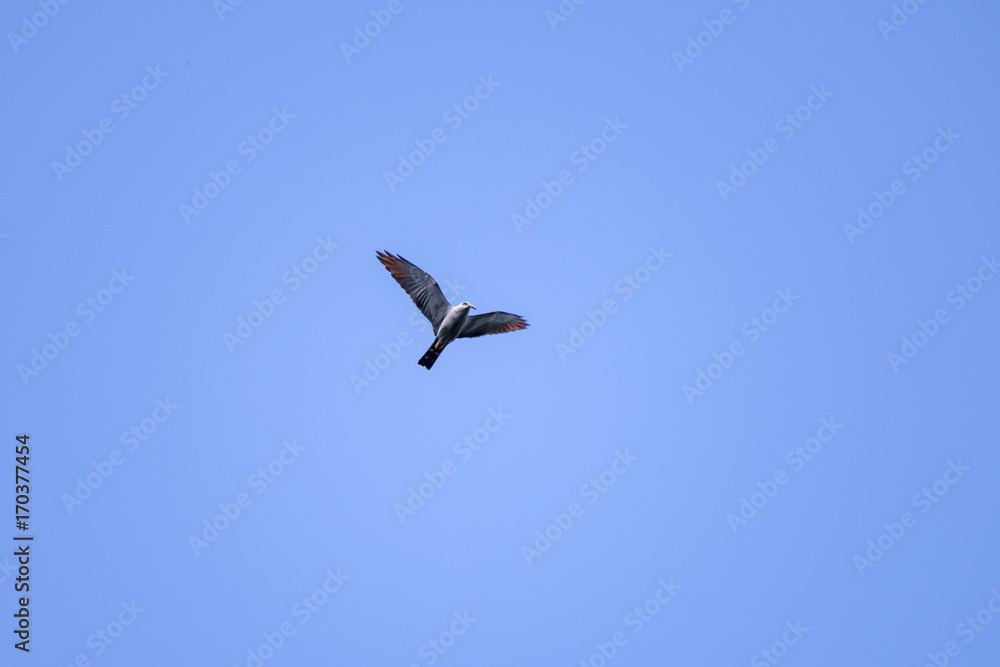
point(421, 287)
point(491, 323)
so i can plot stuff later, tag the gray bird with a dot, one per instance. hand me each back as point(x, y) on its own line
point(449, 322)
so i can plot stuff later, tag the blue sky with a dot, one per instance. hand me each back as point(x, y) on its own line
point(750, 421)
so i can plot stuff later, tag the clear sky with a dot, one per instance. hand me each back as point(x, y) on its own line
point(754, 418)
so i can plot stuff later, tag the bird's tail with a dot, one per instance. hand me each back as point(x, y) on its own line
point(431, 355)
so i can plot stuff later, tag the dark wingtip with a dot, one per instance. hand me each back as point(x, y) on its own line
point(388, 260)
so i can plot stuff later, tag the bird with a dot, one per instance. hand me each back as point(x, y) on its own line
point(449, 322)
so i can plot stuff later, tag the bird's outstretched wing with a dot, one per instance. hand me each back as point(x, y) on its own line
point(491, 323)
point(420, 286)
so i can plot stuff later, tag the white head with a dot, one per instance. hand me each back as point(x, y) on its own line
point(466, 305)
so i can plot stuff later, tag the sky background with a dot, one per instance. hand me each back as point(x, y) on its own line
point(359, 445)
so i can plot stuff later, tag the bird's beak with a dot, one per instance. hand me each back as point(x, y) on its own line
point(473, 307)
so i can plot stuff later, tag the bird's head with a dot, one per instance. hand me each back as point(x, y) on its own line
point(466, 305)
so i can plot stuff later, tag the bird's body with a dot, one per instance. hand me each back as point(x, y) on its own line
point(450, 328)
point(449, 322)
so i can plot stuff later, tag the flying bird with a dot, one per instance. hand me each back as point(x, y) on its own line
point(449, 322)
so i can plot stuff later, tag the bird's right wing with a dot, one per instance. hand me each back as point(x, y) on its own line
point(491, 323)
point(419, 285)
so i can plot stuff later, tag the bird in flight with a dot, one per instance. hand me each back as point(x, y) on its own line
point(450, 322)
